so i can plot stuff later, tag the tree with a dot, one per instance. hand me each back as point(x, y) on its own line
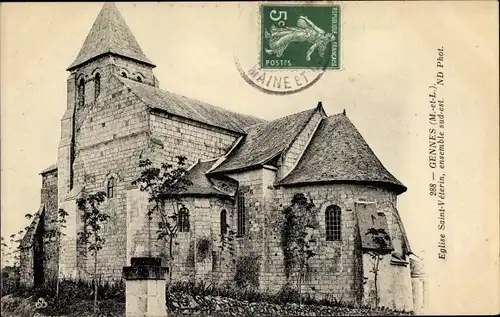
point(382, 241)
point(11, 252)
point(298, 239)
point(93, 218)
point(7, 252)
point(163, 184)
point(4, 251)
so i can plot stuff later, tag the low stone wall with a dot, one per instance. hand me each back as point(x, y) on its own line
point(187, 305)
point(184, 305)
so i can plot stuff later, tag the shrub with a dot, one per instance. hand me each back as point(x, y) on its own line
point(194, 289)
point(247, 271)
point(204, 247)
point(10, 280)
point(287, 294)
point(77, 289)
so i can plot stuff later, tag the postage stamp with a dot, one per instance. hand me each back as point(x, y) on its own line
point(300, 36)
point(296, 45)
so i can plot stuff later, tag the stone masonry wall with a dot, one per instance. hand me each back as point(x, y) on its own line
point(26, 272)
point(177, 136)
point(251, 187)
point(299, 145)
point(394, 279)
point(133, 70)
point(337, 270)
point(139, 236)
point(394, 284)
point(110, 144)
point(65, 143)
point(67, 251)
point(49, 199)
point(110, 134)
point(204, 220)
point(107, 66)
point(216, 265)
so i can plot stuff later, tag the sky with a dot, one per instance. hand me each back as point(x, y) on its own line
point(388, 60)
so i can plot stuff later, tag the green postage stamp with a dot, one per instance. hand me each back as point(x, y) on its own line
point(300, 36)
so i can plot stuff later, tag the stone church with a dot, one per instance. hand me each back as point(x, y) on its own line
point(244, 172)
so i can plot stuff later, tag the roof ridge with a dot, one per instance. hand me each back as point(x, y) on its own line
point(194, 99)
point(308, 139)
point(189, 108)
point(271, 121)
point(208, 104)
point(304, 125)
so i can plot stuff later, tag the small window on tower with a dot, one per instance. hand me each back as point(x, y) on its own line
point(111, 187)
point(124, 75)
point(139, 79)
point(97, 85)
point(81, 93)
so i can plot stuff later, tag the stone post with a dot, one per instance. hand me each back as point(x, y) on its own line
point(145, 288)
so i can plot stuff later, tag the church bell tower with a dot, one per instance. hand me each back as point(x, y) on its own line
point(109, 50)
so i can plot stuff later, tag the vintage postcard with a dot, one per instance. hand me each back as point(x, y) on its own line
point(249, 159)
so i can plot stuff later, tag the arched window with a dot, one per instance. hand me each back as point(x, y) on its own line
point(241, 214)
point(97, 85)
point(139, 79)
point(183, 220)
point(124, 75)
point(111, 187)
point(223, 222)
point(81, 92)
point(332, 223)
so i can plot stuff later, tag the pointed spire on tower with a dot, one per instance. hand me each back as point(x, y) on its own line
point(110, 35)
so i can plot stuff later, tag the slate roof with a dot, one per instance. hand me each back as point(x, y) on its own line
point(75, 192)
point(205, 186)
point(51, 168)
point(338, 152)
point(265, 141)
point(27, 239)
point(110, 34)
point(181, 106)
